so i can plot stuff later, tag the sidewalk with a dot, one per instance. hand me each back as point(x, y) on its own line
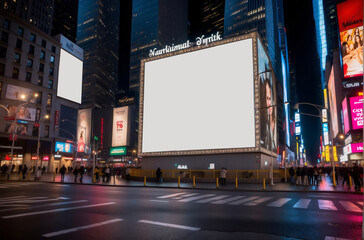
point(324, 186)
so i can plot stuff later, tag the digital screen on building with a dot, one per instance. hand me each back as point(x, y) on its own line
point(120, 127)
point(118, 151)
point(356, 108)
point(200, 100)
point(325, 128)
point(63, 147)
point(345, 115)
point(350, 17)
point(70, 77)
point(83, 129)
point(332, 101)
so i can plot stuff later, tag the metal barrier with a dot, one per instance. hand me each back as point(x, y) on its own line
point(209, 174)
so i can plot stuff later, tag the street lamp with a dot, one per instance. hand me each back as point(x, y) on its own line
point(319, 108)
point(36, 162)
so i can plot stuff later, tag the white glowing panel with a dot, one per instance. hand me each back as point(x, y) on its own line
point(201, 100)
point(70, 77)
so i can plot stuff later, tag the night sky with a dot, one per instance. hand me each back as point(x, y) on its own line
point(300, 27)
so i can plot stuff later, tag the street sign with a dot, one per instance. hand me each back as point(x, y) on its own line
point(7, 118)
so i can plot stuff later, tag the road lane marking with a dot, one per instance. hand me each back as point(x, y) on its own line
point(257, 201)
point(52, 234)
point(170, 225)
point(56, 210)
point(196, 197)
point(7, 198)
point(172, 195)
point(33, 200)
point(223, 201)
point(243, 200)
point(187, 195)
point(153, 200)
point(302, 203)
point(349, 206)
point(20, 200)
point(327, 205)
point(335, 238)
point(60, 203)
point(213, 199)
point(280, 202)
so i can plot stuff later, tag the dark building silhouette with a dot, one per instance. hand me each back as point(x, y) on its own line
point(65, 18)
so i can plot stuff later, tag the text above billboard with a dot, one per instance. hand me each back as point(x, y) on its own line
point(178, 117)
point(63, 147)
point(356, 108)
point(118, 151)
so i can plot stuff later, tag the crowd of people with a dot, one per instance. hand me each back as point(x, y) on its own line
point(312, 175)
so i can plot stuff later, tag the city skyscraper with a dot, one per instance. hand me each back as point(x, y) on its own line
point(98, 35)
point(64, 19)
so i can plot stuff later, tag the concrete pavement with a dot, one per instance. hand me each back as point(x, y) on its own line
point(324, 186)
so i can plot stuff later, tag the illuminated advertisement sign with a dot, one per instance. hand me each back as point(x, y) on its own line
point(356, 108)
point(83, 129)
point(117, 151)
point(19, 129)
point(345, 115)
point(324, 115)
point(350, 17)
point(120, 127)
point(23, 113)
point(353, 148)
point(21, 94)
point(63, 147)
point(325, 128)
point(297, 118)
point(332, 102)
point(327, 153)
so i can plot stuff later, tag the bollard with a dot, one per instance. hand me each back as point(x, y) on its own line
point(145, 181)
point(236, 183)
point(350, 182)
point(263, 183)
point(217, 183)
point(179, 181)
point(194, 181)
point(333, 179)
point(54, 176)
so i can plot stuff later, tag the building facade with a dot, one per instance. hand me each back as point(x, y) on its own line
point(64, 19)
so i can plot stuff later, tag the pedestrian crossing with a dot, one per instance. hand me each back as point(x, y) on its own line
point(17, 184)
point(303, 203)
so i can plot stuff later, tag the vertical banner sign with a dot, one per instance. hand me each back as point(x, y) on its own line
point(83, 129)
point(350, 17)
point(120, 127)
point(324, 115)
point(345, 115)
point(56, 119)
point(325, 128)
point(356, 108)
point(327, 153)
point(325, 98)
point(332, 102)
point(334, 153)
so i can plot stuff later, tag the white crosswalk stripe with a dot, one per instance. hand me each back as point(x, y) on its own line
point(349, 206)
point(196, 198)
point(280, 202)
point(171, 195)
point(257, 201)
point(213, 199)
point(243, 200)
point(327, 205)
point(302, 203)
point(226, 200)
point(187, 195)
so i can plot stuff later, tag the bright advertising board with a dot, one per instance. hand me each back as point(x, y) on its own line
point(332, 102)
point(325, 128)
point(350, 17)
point(70, 77)
point(356, 108)
point(120, 136)
point(23, 112)
point(63, 147)
point(21, 94)
point(118, 151)
point(199, 101)
point(345, 115)
point(83, 129)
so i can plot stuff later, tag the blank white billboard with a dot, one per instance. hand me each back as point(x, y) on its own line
point(201, 100)
point(70, 77)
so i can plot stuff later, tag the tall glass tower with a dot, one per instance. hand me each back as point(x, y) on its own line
point(98, 35)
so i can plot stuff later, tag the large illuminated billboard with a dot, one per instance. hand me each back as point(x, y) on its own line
point(83, 129)
point(332, 102)
point(120, 134)
point(350, 16)
point(345, 115)
point(70, 77)
point(203, 100)
point(356, 108)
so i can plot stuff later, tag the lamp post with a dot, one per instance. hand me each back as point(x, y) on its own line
point(36, 162)
point(319, 108)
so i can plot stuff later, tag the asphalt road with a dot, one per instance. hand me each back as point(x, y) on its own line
point(35, 210)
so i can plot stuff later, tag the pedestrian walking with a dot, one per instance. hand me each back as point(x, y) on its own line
point(56, 170)
point(310, 175)
point(96, 173)
point(107, 173)
point(291, 172)
point(223, 176)
point(304, 174)
point(356, 176)
point(299, 174)
point(62, 171)
point(82, 171)
point(159, 175)
point(75, 172)
point(24, 170)
point(345, 175)
point(20, 168)
point(127, 173)
point(315, 175)
point(43, 169)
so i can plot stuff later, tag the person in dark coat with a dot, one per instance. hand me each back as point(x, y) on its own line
point(356, 176)
point(82, 171)
point(291, 172)
point(159, 175)
point(62, 171)
point(299, 174)
point(75, 172)
point(24, 171)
